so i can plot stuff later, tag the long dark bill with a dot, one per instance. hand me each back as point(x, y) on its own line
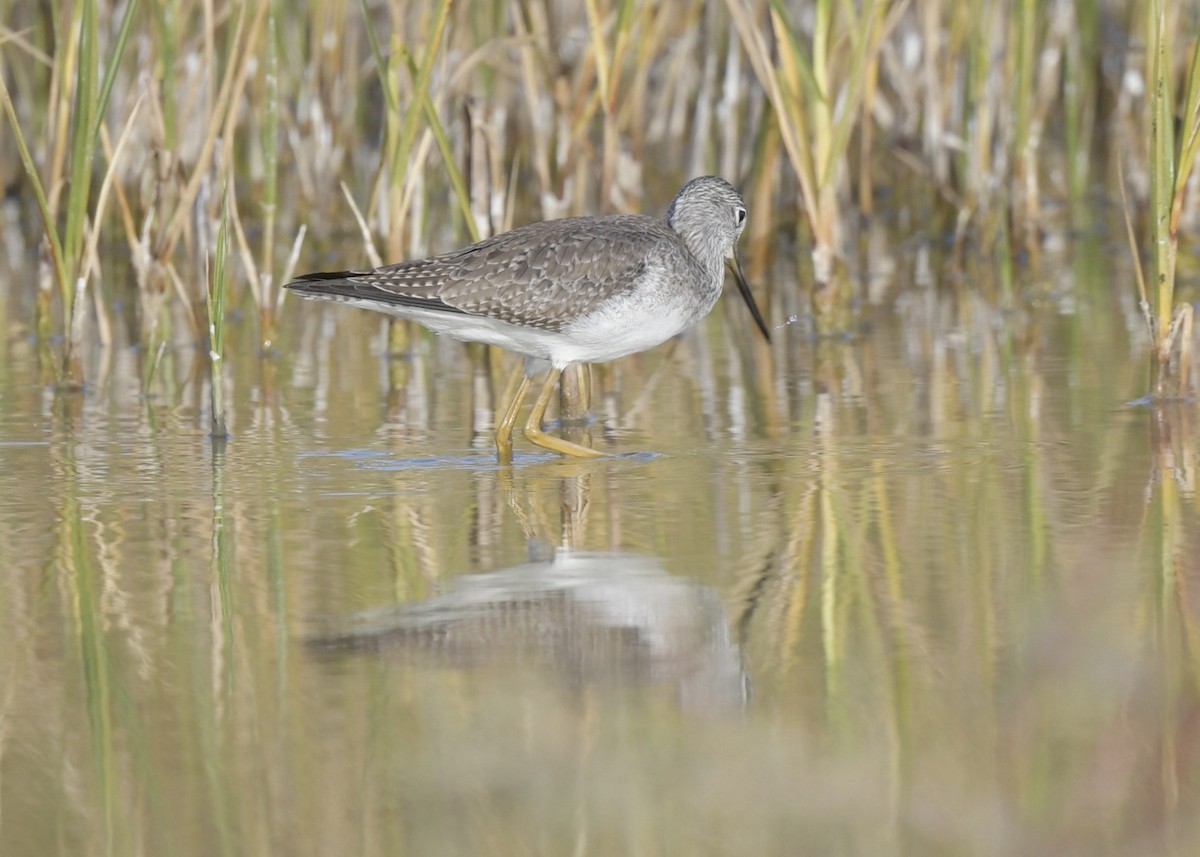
point(747, 295)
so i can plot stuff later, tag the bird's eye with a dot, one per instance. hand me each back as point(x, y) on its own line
point(740, 215)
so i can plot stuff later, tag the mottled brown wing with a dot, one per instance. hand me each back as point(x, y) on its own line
point(544, 275)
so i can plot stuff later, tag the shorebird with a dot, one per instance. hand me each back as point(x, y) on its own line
point(562, 292)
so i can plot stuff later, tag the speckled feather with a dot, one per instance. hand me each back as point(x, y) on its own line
point(544, 275)
point(578, 290)
point(563, 292)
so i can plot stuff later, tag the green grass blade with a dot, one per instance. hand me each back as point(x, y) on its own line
point(82, 148)
point(216, 318)
point(1162, 170)
point(381, 66)
point(270, 153)
point(110, 70)
point(865, 32)
point(792, 51)
point(1024, 83)
point(1189, 139)
point(167, 17)
point(447, 152)
point(39, 192)
point(408, 131)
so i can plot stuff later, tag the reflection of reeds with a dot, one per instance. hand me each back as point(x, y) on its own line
point(954, 610)
point(95, 658)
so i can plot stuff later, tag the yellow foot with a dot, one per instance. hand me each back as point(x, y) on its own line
point(557, 444)
point(533, 427)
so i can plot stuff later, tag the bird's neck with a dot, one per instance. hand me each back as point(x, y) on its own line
point(710, 258)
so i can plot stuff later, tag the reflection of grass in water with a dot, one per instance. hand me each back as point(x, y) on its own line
point(214, 700)
point(95, 660)
point(961, 667)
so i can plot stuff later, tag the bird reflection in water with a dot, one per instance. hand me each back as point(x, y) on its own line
point(584, 616)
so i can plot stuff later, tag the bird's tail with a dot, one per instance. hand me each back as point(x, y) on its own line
point(329, 284)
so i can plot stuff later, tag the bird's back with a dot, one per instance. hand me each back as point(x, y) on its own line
point(545, 275)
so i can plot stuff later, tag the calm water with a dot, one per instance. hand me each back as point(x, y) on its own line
point(928, 590)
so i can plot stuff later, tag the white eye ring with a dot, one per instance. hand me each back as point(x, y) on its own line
point(740, 214)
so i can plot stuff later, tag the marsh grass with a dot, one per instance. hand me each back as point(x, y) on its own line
point(815, 89)
point(448, 120)
point(215, 292)
point(74, 113)
point(1171, 161)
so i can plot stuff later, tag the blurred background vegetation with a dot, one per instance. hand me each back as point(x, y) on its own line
point(999, 124)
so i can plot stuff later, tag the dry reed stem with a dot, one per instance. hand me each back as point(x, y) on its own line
point(1186, 344)
point(1139, 276)
point(18, 38)
point(99, 306)
point(219, 116)
point(126, 213)
point(364, 230)
point(289, 267)
point(93, 238)
point(91, 259)
point(244, 251)
point(760, 59)
point(44, 205)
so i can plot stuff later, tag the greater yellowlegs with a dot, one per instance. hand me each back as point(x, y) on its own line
point(561, 292)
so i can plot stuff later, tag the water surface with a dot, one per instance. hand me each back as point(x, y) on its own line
point(929, 589)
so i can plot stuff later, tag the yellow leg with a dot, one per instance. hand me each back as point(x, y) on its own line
point(533, 426)
point(505, 428)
